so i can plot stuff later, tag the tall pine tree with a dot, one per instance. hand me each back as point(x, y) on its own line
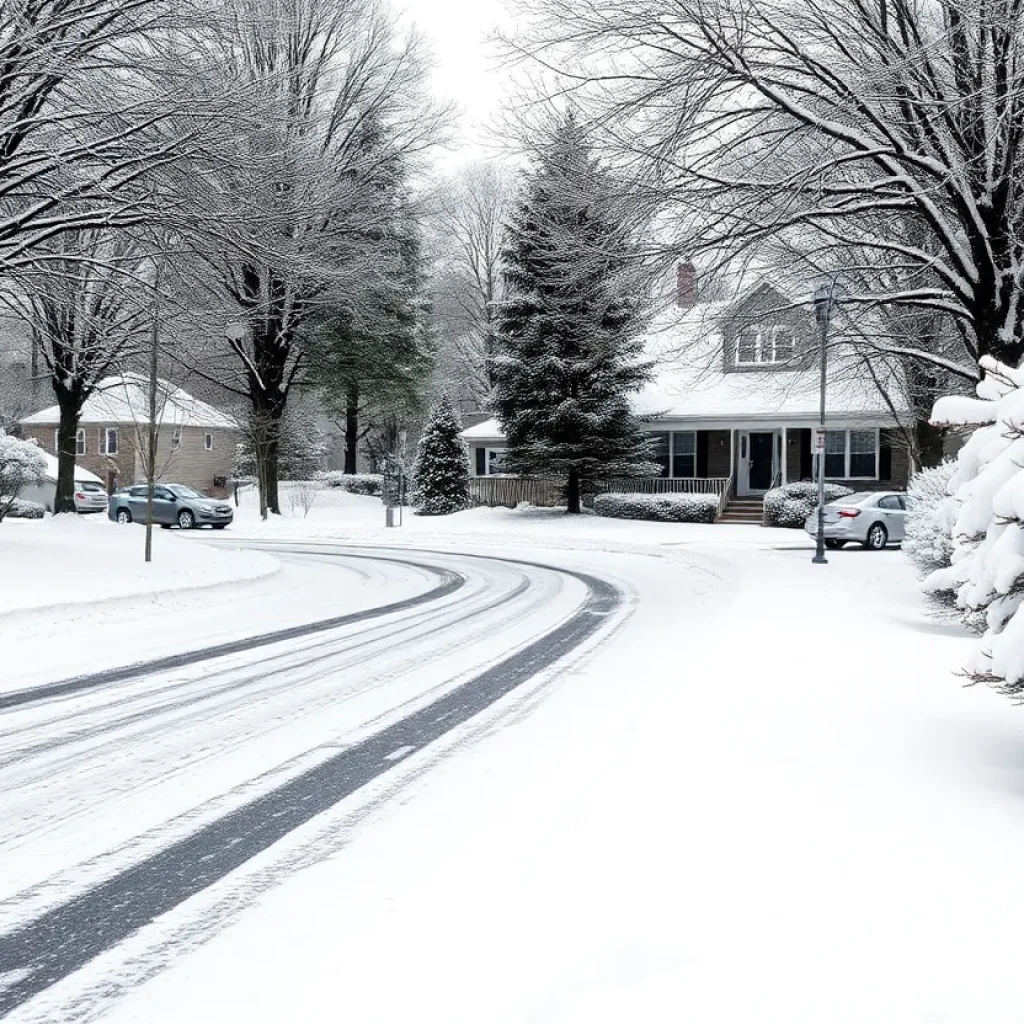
point(441, 475)
point(568, 356)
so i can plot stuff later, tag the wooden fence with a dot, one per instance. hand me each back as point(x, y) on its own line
point(549, 492)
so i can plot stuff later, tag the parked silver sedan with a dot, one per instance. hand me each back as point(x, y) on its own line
point(873, 520)
point(173, 505)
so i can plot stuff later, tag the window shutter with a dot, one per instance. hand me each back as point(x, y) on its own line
point(885, 458)
point(481, 461)
point(702, 453)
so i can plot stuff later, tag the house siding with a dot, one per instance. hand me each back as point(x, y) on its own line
point(190, 464)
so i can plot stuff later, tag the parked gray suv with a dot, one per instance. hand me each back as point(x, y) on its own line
point(173, 505)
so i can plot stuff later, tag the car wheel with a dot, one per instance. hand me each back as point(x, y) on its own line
point(835, 545)
point(186, 520)
point(124, 516)
point(878, 537)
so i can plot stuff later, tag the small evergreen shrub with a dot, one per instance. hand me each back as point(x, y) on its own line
point(21, 509)
point(662, 508)
point(790, 505)
point(369, 484)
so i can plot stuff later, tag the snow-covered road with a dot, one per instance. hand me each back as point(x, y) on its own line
point(98, 778)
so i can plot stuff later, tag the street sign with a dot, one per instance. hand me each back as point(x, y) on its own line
point(819, 440)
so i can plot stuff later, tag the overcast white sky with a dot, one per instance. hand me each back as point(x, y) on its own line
point(466, 64)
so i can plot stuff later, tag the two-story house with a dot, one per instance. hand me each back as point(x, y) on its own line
point(195, 441)
point(734, 402)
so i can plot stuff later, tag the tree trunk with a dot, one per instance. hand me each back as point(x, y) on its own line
point(572, 493)
point(929, 443)
point(271, 468)
point(67, 434)
point(351, 429)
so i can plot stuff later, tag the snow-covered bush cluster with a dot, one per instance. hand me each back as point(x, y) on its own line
point(986, 570)
point(931, 512)
point(354, 483)
point(790, 505)
point(20, 509)
point(665, 508)
point(441, 473)
point(22, 464)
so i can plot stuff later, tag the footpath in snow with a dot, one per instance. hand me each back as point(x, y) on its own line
point(766, 798)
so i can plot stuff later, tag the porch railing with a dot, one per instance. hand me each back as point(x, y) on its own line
point(661, 485)
point(725, 496)
point(548, 491)
point(509, 491)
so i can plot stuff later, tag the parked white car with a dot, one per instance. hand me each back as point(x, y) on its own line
point(873, 520)
point(90, 496)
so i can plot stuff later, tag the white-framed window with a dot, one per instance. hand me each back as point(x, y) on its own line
point(79, 442)
point(676, 453)
point(851, 454)
point(494, 464)
point(208, 441)
point(765, 346)
point(108, 440)
point(175, 439)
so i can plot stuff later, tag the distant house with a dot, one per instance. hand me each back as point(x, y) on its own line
point(195, 441)
point(735, 400)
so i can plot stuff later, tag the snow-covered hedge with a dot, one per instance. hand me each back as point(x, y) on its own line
point(931, 512)
point(986, 570)
point(21, 509)
point(667, 508)
point(355, 483)
point(22, 464)
point(790, 505)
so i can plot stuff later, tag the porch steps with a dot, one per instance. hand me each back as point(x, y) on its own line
point(743, 510)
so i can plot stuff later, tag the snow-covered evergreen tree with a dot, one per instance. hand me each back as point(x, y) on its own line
point(441, 474)
point(987, 560)
point(931, 513)
point(567, 352)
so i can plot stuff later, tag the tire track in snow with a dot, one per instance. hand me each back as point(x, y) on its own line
point(64, 939)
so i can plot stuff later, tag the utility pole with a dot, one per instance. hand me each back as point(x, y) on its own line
point(151, 433)
point(824, 297)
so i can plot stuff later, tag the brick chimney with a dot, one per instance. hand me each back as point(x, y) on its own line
point(686, 285)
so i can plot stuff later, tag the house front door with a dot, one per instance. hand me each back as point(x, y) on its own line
point(757, 462)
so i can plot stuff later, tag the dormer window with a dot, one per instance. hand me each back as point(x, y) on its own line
point(765, 346)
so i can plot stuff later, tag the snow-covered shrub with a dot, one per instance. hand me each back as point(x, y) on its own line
point(986, 570)
point(931, 512)
point(22, 464)
point(302, 497)
point(369, 484)
point(665, 508)
point(21, 509)
point(441, 473)
point(790, 505)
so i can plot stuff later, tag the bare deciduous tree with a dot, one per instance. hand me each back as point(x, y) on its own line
point(835, 124)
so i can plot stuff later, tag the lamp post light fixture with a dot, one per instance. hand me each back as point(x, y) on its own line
point(824, 300)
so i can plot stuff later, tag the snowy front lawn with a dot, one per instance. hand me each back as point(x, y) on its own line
point(767, 798)
point(80, 560)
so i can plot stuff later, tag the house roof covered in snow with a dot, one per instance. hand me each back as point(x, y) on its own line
point(125, 400)
point(691, 384)
point(81, 474)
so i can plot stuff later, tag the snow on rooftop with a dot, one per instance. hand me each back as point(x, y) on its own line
point(81, 474)
point(125, 399)
point(690, 382)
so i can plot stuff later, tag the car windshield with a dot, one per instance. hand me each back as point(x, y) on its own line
point(91, 486)
point(184, 492)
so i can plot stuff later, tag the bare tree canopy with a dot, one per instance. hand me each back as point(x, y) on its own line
point(876, 131)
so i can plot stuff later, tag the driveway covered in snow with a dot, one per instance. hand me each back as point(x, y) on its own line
point(763, 795)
